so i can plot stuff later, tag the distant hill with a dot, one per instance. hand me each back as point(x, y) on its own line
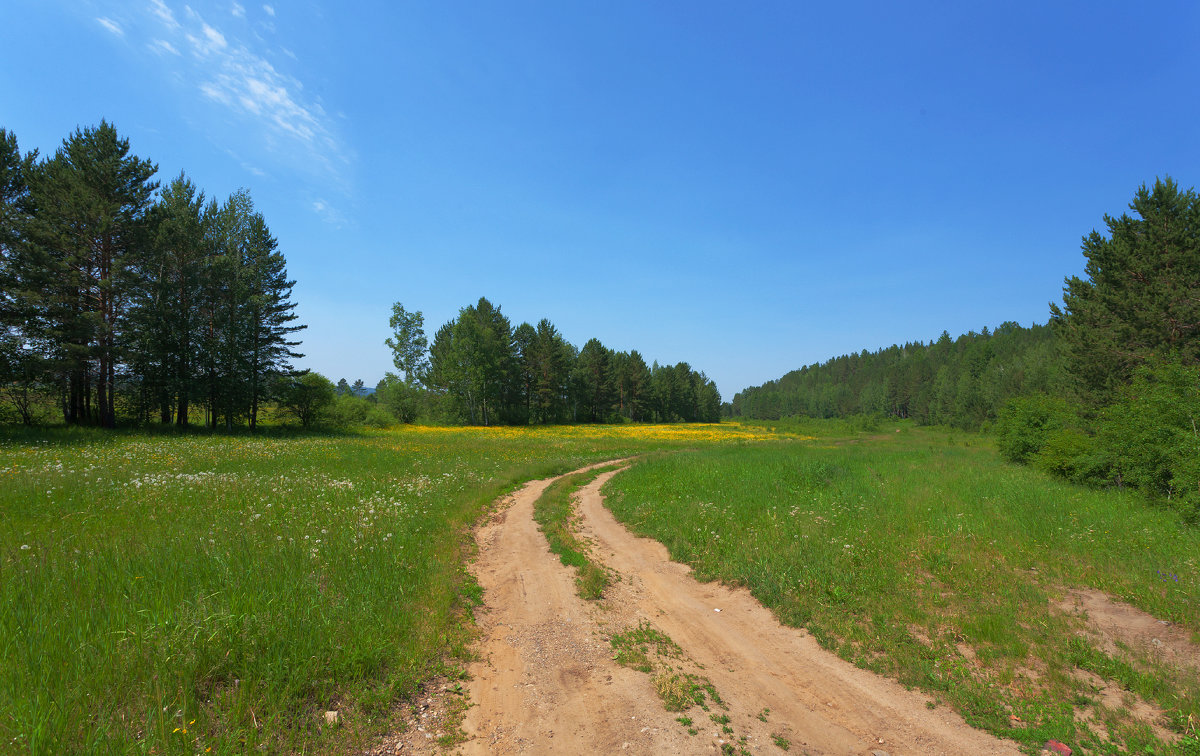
point(961, 382)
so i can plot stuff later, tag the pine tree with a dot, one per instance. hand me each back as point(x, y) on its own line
point(87, 233)
point(20, 363)
point(594, 378)
point(166, 313)
point(1142, 292)
point(473, 361)
point(269, 316)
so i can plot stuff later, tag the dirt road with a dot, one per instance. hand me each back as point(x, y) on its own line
point(547, 682)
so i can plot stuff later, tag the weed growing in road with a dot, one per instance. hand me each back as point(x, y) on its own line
point(633, 647)
point(678, 689)
point(722, 720)
point(780, 742)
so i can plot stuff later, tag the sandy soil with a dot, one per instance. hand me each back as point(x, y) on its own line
point(547, 682)
point(1110, 621)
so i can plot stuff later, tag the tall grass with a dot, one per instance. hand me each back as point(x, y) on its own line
point(181, 593)
point(921, 555)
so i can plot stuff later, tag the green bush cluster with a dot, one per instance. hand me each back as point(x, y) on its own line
point(1149, 438)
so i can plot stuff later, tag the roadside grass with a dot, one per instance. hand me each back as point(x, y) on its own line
point(920, 554)
point(189, 593)
point(555, 515)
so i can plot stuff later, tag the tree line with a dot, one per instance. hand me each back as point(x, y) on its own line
point(1106, 394)
point(963, 382)
point(123, 299)
point(481, 370)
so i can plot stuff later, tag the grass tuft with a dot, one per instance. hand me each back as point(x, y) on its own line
point(555, 514)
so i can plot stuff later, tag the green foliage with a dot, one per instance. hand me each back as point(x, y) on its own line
point(350, 411)
point(408, 344)
point(1073, 454)
point(1140, 298)
point(962, 382)
point(1026, 422)
point(594, 383)
point(405, 401)
point(78, 261)
point(132, 309)
point(473, 364)
point(308, 398)
point(483, 371)
point(1152, 435)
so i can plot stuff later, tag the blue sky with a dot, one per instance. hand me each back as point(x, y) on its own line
point(748, 187)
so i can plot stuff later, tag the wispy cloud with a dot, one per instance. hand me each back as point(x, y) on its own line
point(238, 10)
point(328, 213)
point(164, 15)
point(231, 74)
point(162, 46)
point(208, 42)
point(111, 25)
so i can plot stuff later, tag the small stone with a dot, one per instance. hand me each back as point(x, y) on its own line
point(331, 717)
point(1056, 748)
point(879, 752)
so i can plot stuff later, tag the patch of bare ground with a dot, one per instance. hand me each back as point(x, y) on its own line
point(1111, 698)
point(1111, 623)
point(547, 681)
point(430, 721)
point(1123, 631)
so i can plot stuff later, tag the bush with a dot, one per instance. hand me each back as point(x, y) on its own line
point(1072, 454)
point(1027, 422)
point(402, 400)
point(1152, 434)
point(308, 397)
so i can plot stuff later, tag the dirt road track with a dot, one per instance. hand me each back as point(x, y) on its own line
point(547, 682)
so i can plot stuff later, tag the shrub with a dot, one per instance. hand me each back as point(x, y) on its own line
point(1070, 453)
point(1026, 423)
point(307, 397)
point(1152, 434)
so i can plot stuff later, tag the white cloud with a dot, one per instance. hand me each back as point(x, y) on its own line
point(229, 73)
point(162, 46)
point(111, 25)
point(213, 92)
point(269, 10)
point(238, 10)
point(328, 213)
point(164, 14)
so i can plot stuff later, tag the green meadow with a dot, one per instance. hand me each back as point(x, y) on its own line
point(205, 594)
point(194, 594)
point(921, 555)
